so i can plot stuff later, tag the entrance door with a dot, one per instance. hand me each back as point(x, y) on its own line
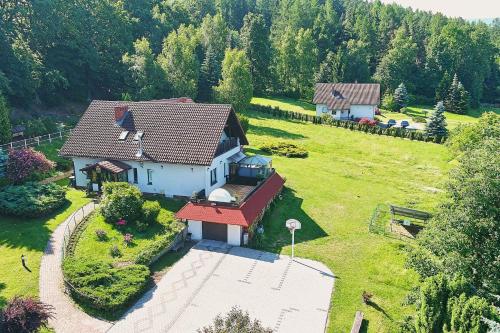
point(214, 231)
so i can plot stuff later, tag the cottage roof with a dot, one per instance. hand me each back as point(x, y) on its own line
point(172, 132)
point(340, 96)
point(245, 214)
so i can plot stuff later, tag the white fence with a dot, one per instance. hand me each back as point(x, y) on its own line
point(33, 142)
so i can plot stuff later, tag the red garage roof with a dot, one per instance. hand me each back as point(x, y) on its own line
point(244, 214)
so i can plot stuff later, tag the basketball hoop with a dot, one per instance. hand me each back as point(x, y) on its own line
point(293, 225)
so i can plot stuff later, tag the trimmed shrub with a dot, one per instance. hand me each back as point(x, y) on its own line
point(25, 315)
point(285, 149)
point(147, 255)
point(27, 164)
point(103, 286)
point(121, 201)
point(150, 211)
point(31, 199)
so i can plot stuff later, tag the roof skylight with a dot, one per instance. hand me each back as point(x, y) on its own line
point(123, 135)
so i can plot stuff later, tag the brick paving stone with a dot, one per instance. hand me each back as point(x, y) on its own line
point(68, 318)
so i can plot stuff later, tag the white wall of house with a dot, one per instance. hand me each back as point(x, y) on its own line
point(363, 111)
point(320, 109)
point(79, 163)
point(196, 229)
point(221, 164)
point(168, 179)
point(234, 235)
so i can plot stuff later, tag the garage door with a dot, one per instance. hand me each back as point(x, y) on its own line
point(215, 231)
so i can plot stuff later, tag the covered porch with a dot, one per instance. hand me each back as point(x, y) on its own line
point(105, 171)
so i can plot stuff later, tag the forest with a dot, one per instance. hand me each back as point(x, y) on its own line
point(77, 50)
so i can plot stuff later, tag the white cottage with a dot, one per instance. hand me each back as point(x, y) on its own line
point(347, 101)
point(163, 147)
point(177, 148)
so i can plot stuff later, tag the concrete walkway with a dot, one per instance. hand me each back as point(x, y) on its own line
point(68, 318)
point(285, 295)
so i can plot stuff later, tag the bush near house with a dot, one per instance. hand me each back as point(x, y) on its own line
point(25, 315)
point(121, 201)
point(150, 211)
point(284, 149)
point(27, 164)
point(31, 199)
point(102, 286)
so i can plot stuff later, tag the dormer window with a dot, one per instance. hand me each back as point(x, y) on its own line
point(138, 135)
point(123, 135)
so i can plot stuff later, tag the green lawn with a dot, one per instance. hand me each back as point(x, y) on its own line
point(89, 245)
point(285, 103)
point(28, 237)
point(452, 119)
point(333, 193)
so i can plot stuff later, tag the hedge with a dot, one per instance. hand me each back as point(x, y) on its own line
point(150, 253)
point(31, 199)
point(104, 287)
point(392, 131)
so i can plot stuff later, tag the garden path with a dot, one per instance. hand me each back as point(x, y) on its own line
point(68, 317)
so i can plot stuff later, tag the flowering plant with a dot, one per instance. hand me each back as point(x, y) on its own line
point(121, 222)
point(24, 164)
point(128, 238)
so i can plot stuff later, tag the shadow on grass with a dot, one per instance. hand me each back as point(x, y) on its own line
point(276, 235)
point(29, 233)
point(3, 300)
point(275, 132)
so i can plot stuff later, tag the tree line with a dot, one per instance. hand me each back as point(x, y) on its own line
point(59, 50)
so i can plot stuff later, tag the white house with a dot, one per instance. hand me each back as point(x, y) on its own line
point(176, 148)
point(347, 101)
point(169, 148)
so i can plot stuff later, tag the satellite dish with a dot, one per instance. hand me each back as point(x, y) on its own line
point(292, 224)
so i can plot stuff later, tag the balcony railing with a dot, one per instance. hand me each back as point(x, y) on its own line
point(226, 146)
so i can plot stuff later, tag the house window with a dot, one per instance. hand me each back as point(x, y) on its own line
point(213, 176)
point(136, 177)
point(150, 177)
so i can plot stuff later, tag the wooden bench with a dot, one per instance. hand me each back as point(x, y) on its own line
point(358, 320)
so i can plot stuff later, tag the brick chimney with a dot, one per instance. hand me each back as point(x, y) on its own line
point(120, 113)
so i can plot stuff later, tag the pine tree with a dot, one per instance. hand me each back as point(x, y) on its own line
point(210, 72)
point(401, 97)
point(457, 100)
point(436, 125)
point(5, 127)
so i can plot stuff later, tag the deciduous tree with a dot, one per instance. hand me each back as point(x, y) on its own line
point(236, 84)
point(180, 62)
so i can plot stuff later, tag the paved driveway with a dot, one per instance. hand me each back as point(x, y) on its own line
point(288, 296)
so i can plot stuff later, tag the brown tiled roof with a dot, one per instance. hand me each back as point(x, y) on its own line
point(339, 96)
point(183, 133)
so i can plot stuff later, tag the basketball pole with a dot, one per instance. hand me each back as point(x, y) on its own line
point(293, 242)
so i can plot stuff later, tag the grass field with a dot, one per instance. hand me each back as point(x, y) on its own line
point(285, 103)
point(452, 119)
point(28, 237)
point(333, 193)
